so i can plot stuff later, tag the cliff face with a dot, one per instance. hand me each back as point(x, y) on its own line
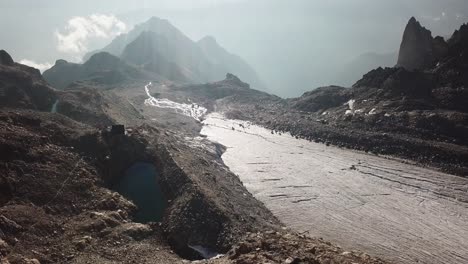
point(418, 49)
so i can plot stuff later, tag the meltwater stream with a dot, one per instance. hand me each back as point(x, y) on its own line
point(193, 110)
point(399, 212)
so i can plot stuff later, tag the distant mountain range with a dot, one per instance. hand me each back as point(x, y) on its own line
point(158, 47)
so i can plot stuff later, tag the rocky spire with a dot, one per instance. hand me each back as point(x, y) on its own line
point(416, 50)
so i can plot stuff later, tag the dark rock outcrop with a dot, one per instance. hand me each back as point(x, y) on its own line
point(433, 71)
point(452, 69)
point(63, 73)
point(397, 82)
point(375, 78)
point(415, 45)
point(23, 87)
point(5, 58)
point(440, 48)
point(459, 40)
point(321, 98)
point(418, 49)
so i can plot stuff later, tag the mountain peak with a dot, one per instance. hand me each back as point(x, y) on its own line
point(5, 58)
point(416, 49)
point(414, 24)
point(460, 37)
point(157, 22)
point(413, 20)
point(157, 25)
point(161, 48)
point(156, 19)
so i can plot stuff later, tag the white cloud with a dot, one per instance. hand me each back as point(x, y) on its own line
point(40, 66)
point(80, 30)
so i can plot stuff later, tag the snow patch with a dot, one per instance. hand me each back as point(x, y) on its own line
point(373, 111)
point(350, 104)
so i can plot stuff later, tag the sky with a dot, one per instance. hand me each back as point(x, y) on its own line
point(294, 45)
